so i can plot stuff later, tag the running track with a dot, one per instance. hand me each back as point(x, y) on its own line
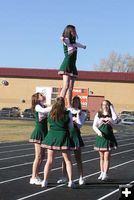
point(15, 171)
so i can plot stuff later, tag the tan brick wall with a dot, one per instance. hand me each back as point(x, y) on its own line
point(121, 94)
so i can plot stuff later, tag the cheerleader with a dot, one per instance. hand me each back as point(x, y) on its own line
point(38, 133)
point(58, 139)
point(68, 67)
point(105, 140)
point(76, 140)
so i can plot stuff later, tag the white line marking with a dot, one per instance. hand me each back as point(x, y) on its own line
point(93, 159)
point(111, 193)
point(19, 165)
point(84, 147)
point(44, 191)
point(86, 141)
point(14, 145)
point(16, 150)
point(24, 155)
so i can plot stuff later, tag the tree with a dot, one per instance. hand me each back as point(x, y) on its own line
point(116, 63)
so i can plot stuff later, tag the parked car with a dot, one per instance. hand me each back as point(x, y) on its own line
point(132, 113)
point(10, 112)
point(128, 120)
point(126, 112)
point(28, 113)
point(123, 116)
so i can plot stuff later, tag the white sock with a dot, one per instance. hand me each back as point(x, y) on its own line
point(104, 174)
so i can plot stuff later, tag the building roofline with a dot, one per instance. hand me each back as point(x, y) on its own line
point(53, 74)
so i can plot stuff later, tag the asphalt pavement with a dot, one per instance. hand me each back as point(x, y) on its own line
point(16, 164)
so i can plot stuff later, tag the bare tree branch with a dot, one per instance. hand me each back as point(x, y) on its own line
point(116, 63)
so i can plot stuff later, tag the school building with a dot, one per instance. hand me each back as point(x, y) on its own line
point(118, 87)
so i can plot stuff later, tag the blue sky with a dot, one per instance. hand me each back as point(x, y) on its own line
point(30, 31)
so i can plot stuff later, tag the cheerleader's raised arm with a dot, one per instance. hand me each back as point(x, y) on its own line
point(39, 108)
point(42, 111)
point(72, 46)
point(114, 115)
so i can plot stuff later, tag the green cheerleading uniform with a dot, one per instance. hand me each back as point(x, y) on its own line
point(76, 139)
point(40, 130)
point(58, 137)
point(75, 133)
point(107, 141)
point(68, 65)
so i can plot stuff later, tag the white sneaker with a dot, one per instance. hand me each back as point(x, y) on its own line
point(62, 180)
point(81, 181)
point(104, 177)
point(44, 184)
point(100, 177)
point(39, 179)
point(71, 184)
point(36, 181)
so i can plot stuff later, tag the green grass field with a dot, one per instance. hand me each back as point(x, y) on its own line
point(15, 130)
point(20, 130)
